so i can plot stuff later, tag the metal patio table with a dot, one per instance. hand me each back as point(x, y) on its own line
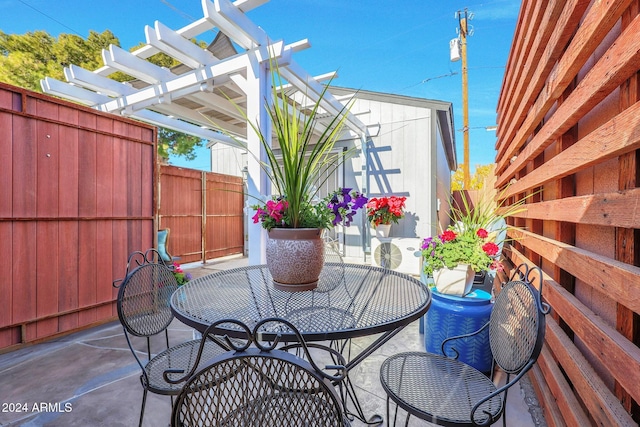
point(351, 301)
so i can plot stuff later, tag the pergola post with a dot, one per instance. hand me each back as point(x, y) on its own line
point(258, 185)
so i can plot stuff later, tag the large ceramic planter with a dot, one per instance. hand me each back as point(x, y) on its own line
point(383, 230)
point(295, 257)
point(454, 281)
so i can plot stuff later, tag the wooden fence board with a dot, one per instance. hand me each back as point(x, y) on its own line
point(87, 174)
point(600, 401)
point(48, 168)
point(617, 209)
point(602, 340)
point(619, 62)
point(25, 176)
point(24, 273)
point(87, 262)
point(539, 26)
point(71, 190)
point(6, 171)
point(619, 135)
point(573, 132)
point(47, 274)
point(6, 285)
point(68, 270)
point(565, 28)
point(215, 221)
point(552, 414)
point(567, 404)
point(104, 176)
point(603, 274)
point(599, 20)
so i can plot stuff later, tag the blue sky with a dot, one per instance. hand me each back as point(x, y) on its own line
point(383, 46)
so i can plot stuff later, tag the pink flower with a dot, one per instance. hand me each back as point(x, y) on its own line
point(276, 210)
point(258, 216)
point(482, 233)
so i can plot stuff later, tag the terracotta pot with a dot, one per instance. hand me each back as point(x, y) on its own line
point(454, 281)
point(295, 257)
point(383, 230)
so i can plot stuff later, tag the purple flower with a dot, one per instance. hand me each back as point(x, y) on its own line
point(426, 242)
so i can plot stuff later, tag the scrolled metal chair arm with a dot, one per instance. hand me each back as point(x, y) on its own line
point(302, 344)
point(457, 337)
point(504, 389)
point(208, 335)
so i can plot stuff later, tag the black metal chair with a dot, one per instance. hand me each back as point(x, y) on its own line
point(144, 311)
point(445, 391)
point(261, 384)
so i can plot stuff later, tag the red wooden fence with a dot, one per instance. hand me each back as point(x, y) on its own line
point(77, 198)
point(201, 227)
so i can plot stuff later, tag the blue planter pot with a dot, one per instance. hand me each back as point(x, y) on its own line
point(450, 316)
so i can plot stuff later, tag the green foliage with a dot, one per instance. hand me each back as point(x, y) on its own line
point(298, 174)
point(25, 59)
point(177, 144)
point(451, 248)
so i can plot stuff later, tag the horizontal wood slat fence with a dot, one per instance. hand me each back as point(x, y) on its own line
point(203, 211)
point(569, 139)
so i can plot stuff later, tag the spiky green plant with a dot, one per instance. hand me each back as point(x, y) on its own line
point(304, 159)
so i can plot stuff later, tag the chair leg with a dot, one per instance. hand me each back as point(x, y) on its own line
point(144, 402)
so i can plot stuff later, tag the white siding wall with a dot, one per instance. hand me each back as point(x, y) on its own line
point(228, 160)
point(399, 162)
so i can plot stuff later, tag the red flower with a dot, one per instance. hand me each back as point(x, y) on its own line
point(385, 210)
point(448, 236)
point(490, 248)
point(482, 233)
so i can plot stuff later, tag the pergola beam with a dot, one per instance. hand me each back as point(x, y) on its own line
point(188, 128)
point(306, 84)
point(176, 46)
point(234, 23)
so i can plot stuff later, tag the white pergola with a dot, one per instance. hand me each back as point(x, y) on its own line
point(201, 96)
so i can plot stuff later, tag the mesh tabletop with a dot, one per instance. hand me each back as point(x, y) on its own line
point(350, 301)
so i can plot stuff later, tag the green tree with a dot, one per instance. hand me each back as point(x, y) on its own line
point(27, 58)
point(478, 178)
point(177, 144)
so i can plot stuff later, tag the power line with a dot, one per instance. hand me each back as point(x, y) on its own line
point(178, 11)
point(50, 17)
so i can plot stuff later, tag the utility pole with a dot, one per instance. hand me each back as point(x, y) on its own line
point(463, 17)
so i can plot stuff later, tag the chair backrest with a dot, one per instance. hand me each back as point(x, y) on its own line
point(517, 322)
point(259, 385)
point(144, 296)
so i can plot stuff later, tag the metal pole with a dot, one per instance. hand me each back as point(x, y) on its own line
point(465, 100)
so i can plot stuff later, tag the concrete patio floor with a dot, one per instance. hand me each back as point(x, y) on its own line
point(90, 378)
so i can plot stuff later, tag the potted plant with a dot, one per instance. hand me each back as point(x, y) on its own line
point(471, 245)
point(181, 276)
point(453, 258)
point(295, 217)
point(382, 211)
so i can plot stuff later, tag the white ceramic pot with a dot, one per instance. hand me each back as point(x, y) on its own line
point(383, 230)
point(454, 281)
point(295, 257)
